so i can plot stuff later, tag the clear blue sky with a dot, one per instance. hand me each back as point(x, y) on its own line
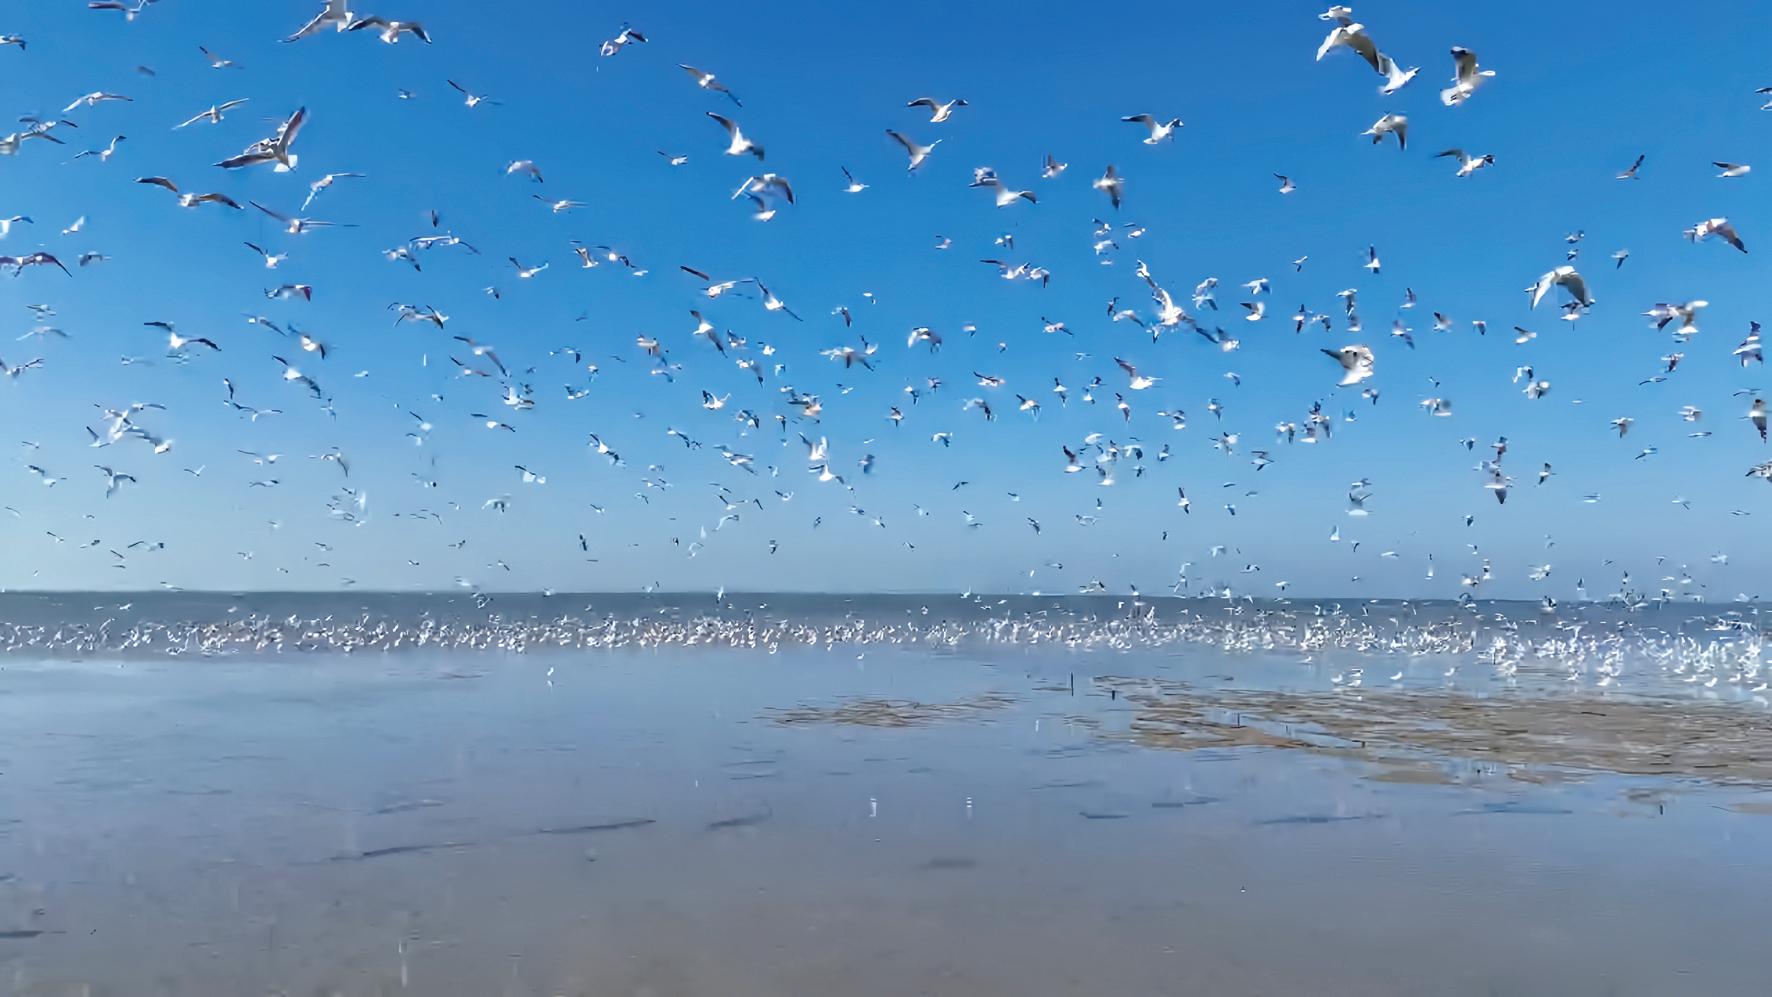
point(1575, 99)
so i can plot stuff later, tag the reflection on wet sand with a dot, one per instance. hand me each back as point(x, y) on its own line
point(891, 712)
point(1712, 741)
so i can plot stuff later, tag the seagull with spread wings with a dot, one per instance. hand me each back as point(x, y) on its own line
point(1111, 184)
point(391, 30)
point(739, 145)
point(1356, 363)
point(214, 114)
point(1718, 227)
point(938, 112)
point(19, 263)
point(1390, 124)
point(1467, 164)
point(706, 81)
point(1568, 278)
point(104, 155)
point(1160, 130)
point(274, 149)
point(334, 14)
point(321, 184)
point(1465, 77)
point(918, 153)
point(94, 99)
point(294, 226)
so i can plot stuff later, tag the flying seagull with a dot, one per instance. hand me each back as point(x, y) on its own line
point(1356, 363)
point(274, 149)
point(707, 82)
point(1565, 276)
point(1467, 164)
point(918, 153)
point(627, 35)
point(391, 30)
point(473, 100)
point(1160, 130)
point(19, 263)
point(335, 14)
point(984, 176)
point(1465, 77)
point(214, 114)
point(1350, 35)
point(1111, 184)
point(94, 99)
point(938, 112)
point(321, 184)
point(1389, 124)
point(740, 145)
point(1718, 227)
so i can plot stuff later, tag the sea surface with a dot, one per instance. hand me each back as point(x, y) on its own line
point(662, 795)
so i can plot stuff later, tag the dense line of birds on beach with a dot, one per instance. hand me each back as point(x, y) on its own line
point(767, 194)
point(1712, 655)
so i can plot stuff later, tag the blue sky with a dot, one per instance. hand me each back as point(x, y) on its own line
point(1572, 104)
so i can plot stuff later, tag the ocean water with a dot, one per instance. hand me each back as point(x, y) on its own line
point(670, 795)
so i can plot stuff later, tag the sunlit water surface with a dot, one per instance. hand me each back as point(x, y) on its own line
point(788, 795)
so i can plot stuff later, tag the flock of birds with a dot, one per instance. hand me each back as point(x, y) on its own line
point(1712, 656)
point(1099, 455)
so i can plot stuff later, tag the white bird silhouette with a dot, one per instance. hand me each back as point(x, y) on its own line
point(1396, 124)
point(1568, 278)
point(627, 35)
point(274, 149)
point(93, 99)
point(938, 112)
point(1139, 383)
point(294, 226)
point(214, 114)
point(128, 11)
point(1111, 184)
point(1467, 164)
point(739, 145)
point(1394, 75)
point(707, 82)
point(984, 176)
point(391, 30)
point(558, 206)
point(216, 61)
point(321, 184)
point(774, 304)
point(765, 190)
point(1686, 312)
point(1347, 34)
point(334, 14)
point(918, 153)
point(113, 479)
point(1160, 130)
point(472, 99)
point(1718, 227)
point(1465, 77)
point(1356, 362)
